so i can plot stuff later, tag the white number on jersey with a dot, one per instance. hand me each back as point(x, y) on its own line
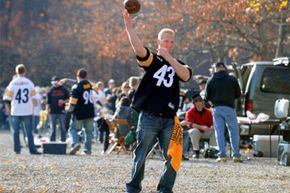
point(22, 95)
point(164, 75)
point(87, 96)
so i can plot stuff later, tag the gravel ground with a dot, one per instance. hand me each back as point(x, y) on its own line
point(98, 173)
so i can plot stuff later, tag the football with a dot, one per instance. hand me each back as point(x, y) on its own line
point(132, 6)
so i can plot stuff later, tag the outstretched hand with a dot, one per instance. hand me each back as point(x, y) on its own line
point(62, 81)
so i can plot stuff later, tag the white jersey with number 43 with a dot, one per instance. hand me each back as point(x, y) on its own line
point(20, 92)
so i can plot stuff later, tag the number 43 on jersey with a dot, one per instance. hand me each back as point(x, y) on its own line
point(164, 76)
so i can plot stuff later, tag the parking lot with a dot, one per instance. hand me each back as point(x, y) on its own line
point(108, 173)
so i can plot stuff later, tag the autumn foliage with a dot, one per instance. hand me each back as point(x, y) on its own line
point(57, 37)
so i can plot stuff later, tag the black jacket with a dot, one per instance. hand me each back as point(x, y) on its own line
point(222, 89)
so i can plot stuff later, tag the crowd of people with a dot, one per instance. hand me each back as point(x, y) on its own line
point(150, 103)
point(60, 108)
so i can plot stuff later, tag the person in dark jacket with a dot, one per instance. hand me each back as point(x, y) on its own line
point(221, 90)
point(123, 112)
point(56, 99)
point(82, 107)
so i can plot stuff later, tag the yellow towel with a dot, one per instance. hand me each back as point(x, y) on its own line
point(175, 145)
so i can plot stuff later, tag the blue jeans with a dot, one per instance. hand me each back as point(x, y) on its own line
point(53, 121)
point(35, 121)
point(149, 128)
point(223, 115)
point(26, 122)
point(78, 125)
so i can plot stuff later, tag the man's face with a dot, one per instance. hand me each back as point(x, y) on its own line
point(219, 68)
point(199, 103)
point(54, 83)
point(201, 86)
point(111, 85)
point(167, 41)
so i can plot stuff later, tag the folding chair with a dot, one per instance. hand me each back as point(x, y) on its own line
point(156, 150)
point(116, 141)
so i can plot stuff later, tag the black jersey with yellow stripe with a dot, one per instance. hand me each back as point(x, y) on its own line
point(82, 100)
point(158, 91)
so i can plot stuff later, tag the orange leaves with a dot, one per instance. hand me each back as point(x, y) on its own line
point(215, 38)
point(97, 26)
point(171, 18)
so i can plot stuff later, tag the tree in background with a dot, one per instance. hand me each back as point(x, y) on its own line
point(57, 37)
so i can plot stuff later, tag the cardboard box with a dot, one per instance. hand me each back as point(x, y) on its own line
point(54, 148)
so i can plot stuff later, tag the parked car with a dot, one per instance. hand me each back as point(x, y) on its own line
point(262, 83)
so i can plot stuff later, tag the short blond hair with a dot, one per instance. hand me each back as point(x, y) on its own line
point(133, 81)
point(165, 30)
point(20, 69)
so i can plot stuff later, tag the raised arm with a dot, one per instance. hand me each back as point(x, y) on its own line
point(183, 71)
point(133, 38)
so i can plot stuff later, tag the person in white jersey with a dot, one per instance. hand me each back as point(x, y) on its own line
point(20, 93)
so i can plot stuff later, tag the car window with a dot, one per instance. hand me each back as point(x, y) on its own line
point(276, 80)
point(245, 72)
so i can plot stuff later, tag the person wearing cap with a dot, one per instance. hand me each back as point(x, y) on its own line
point(222, 89)
point(56, 99)
point(202, 85)
point(199, 121)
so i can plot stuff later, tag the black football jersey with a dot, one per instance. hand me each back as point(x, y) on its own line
point(158, 91)
point(82, 99)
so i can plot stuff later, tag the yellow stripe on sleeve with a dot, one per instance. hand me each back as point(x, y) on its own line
point(73, 101)
point(147, 62)
point(86, 86)
point(33, 93)
point(9, 93)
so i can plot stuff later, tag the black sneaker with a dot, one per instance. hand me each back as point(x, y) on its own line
point(184, 158)
point(35, 153)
